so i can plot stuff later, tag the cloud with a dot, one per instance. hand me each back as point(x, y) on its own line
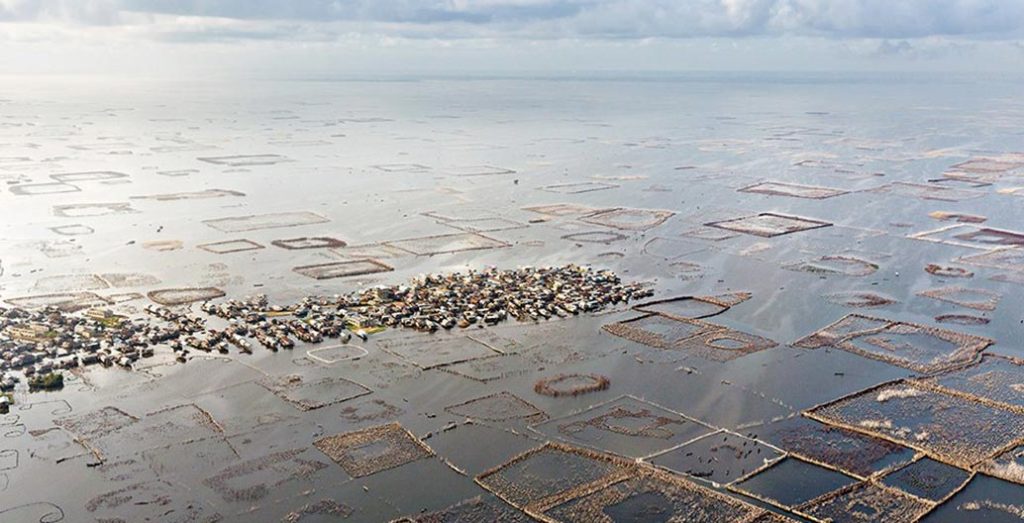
point(91, 12)
point(895, 20)
point(381, 11)
point(894, 47)
point(930, 48)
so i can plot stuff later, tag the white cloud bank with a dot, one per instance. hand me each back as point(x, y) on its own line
point(672, 33)
point(543, 18)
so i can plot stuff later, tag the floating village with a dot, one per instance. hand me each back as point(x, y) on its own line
point(37, 344)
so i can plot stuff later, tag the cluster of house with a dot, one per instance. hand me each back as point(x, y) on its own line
point(490, 296)
point(39, 342)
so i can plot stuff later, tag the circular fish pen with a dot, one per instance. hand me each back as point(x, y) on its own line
point(571, 384)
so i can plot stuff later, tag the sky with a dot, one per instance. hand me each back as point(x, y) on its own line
point(327, 37)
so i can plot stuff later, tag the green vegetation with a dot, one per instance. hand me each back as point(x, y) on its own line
point(112, 322)
point(53, 380)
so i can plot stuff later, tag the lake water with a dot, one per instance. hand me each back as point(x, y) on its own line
point(802, 198)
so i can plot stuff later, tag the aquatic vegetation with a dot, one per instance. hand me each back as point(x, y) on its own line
point(51, 381)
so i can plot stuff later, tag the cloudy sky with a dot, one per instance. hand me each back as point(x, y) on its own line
point(326, 36)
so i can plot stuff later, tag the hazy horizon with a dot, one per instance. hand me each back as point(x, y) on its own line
point(217, 37)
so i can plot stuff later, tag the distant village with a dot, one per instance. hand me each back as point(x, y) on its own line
point(37, 345)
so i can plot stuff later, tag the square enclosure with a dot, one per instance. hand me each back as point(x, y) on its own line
point(230, 246)
point(562, 209)
point(77, 229)
point(245, 160)
point(791, 482)
point(540, 478)
point(725, 344)
point(191, 195)
point(659, 331)
point(97, 423)
point(951, 428)
point(987, 165)
point(866, 502)
point(997, 379)
point(309, 242)
point(972, 236)
point(916, 347)
point(299, 143)
point(626, 426)
point(1008, 466)
point(720, 458)
point(927, 192)
point(479, 509)
point(473, 447)
point(402, 168)
point(428, 353)
point(709, 234)
point(984, 499)
point(310, 395)
point(773, 517)
point(163, 245)
point(1011, 258)
point(369, 451)
point(847, 451)
point(254, 479)
point(151, 500)
point(58, 248)
point(768, 225)
point(326, 271)
point(33, 189)
point(653, 496)
point(89, 210)
point(794, 190)
point(129, 279)
point(65, 301)
point(88, 176)
point(325, 509)
point(159, 429)
point(500, 406)
point(578, 187)
point(476, 170)
point(629, 219)
point(928, 479)
point(70, 282)
point(992, 237)
point(484, 225)
point(376, 251)
point(446, 243)
point(182, 146)
point(490, 368)
point(258, 222)
point(684, 307)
